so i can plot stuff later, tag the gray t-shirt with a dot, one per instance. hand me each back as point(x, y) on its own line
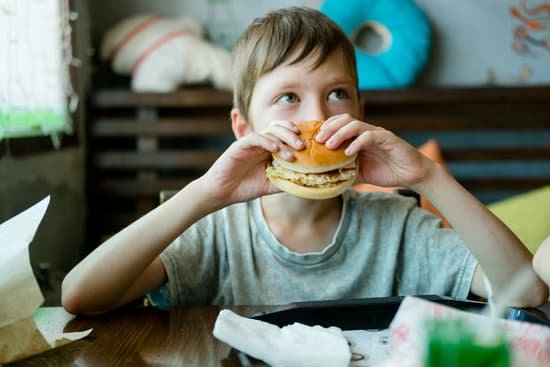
point(384, 245)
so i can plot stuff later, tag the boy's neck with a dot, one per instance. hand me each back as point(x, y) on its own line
point(302, 225)
point(294, 209)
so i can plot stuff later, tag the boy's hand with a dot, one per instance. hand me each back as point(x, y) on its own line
point(383, 158)
point(239, 173)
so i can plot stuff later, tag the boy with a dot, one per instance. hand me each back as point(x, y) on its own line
point(237, 240)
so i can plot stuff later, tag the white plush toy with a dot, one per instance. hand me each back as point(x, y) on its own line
point(163, 53)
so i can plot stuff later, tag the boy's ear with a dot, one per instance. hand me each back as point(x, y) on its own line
point(240, 126)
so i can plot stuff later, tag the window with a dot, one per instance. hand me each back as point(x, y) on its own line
point(36, 93)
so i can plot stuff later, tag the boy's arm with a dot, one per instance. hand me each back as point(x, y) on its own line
point(127, 265)
point(500, 254)
point(541, 260)
point(386, 160)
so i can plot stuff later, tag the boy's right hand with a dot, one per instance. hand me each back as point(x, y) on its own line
point(239, 173)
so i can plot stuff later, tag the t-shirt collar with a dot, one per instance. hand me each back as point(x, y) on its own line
point(310, 258)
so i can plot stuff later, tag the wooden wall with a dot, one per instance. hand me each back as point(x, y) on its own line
point(496, 141)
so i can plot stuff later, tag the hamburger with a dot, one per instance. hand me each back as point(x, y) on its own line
point(317, 172)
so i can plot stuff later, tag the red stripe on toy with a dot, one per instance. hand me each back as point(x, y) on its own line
point(132, 34)
point(155, 45)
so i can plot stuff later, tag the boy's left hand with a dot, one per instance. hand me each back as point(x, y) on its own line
point(383, 158)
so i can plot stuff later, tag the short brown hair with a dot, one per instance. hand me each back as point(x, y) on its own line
point(271, 40)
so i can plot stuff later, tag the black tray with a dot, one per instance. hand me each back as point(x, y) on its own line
point(370, 314)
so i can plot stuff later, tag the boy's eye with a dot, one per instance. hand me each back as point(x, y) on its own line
point(288, 98)
point(338, 94)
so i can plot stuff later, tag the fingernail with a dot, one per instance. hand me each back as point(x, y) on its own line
point(330, 141)
point(347, 151)
point(320, 137)
point(298, 143)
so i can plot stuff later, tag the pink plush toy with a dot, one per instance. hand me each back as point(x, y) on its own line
point(163, 53)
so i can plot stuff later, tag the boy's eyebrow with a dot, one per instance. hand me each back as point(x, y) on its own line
point(343, 81)
point(290, 84)
point(285, 84)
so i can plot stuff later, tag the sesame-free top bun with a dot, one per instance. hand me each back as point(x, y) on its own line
point(317, 172)
point(316, 157)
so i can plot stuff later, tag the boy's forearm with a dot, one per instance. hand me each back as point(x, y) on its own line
point(102, 277)
point(499, 252)
point(541, 261)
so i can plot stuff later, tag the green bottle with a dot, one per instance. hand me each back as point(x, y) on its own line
point(455, 343)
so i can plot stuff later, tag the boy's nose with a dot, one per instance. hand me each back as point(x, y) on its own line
point(316, 111)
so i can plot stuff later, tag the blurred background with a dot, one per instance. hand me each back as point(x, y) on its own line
point(104, 105)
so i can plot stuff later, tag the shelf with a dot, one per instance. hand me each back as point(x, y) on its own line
point(192, 97)
point(458, 95)
point(143, 143)
point(198, 126)
point(206, 97)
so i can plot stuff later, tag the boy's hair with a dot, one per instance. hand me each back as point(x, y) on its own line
point(270, 41)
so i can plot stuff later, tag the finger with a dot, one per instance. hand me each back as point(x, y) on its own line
point(285, 135)
point(331, 125)
point(368, 139)
point(337, 121)
point(347, 132)
point(255, 140)
point(287, 124)
point(332, 119)
point(282, 148)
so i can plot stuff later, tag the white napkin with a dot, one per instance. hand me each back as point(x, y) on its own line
point(295, 345)
point(24, 328)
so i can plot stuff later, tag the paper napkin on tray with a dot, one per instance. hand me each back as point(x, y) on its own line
point(529, 343)
point(290, 346)
point(300, 345)
point(20, 295)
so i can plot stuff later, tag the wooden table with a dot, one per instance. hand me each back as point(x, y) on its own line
point(146, 336)
point(141, 336)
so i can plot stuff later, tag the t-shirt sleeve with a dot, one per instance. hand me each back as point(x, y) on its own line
point(191, 265)
point(434, 259)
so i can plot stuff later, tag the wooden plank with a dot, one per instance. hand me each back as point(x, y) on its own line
point(204, 159)
point(475, 112)
point(155, 160)
point(23, 147)
point(132, 189)
point(190, 97)
point(111, 222)
point(135, 188)
point(199, 126)
point(207, 126)
point(483, 109)
point(459, 122)
point(498, 154)
point(197, 112)
point(504, 184)
point(205, 97)
point(439, 95)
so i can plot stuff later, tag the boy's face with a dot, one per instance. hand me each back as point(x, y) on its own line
point(298, 92)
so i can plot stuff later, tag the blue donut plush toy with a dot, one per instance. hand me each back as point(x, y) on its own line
point(404, 30)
